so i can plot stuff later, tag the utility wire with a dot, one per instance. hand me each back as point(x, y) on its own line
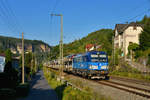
point(14, 15)
point(55, 6)
point(9, 17)
point(9, 34)
point(138, 15)
point(9, 14)
point(53, 9)
point(51, 17)
point(4, 18)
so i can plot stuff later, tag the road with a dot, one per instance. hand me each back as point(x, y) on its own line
point(40, 90)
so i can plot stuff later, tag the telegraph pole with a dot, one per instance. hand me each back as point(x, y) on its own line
point(113, 52)
point(60, 44)
point(124, 40)
point(22, 58)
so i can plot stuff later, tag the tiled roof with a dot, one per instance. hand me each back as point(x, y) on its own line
point(2, 54)
point(122, 27)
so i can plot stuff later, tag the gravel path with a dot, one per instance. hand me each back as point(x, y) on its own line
point(113, 93)
point(40, 90)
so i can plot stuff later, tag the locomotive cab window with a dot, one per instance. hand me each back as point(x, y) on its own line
point(84, 58)
point(98, 58)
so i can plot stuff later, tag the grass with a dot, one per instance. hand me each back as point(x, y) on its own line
point(72, 94)
point(65, 92)
point(131, 75)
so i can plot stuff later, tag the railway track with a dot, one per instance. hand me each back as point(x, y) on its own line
point(135, 81)
point(128, 88)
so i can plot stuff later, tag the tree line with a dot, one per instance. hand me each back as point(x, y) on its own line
point(103, 37)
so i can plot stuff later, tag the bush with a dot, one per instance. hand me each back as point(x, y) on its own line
point(7, 93)
point(72, 94)
point(65, 92)
point(128, 71)
point(23, 89)
point(138, 53)
point(8, 80)
point(40, 66)
point(148, 62)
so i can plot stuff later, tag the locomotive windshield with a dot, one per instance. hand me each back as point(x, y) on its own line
point(98, 58)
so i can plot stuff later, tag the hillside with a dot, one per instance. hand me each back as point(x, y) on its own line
point(15, 45)
point(101, 37)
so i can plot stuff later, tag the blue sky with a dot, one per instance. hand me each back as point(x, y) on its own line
point(80, 17)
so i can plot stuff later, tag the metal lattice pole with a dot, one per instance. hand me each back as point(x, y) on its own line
point(60, 44)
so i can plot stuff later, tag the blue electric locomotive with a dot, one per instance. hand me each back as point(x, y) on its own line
point(93, 64)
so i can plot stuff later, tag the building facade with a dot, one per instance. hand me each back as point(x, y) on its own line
point(2, 62)
point(126, 34)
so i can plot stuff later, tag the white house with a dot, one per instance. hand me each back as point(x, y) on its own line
point(2, 63)
point(126, 34)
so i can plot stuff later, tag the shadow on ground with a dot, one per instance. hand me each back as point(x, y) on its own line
point(40, 94)
point(40, 89)
point(59, 90)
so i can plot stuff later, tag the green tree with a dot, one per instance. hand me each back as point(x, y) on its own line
point(132, 48)
point(145, 36)
point(8, 56)
point(28, 66)
point(101, 37)
point(28, 58)
point(144, 20)
point(148, 63)
point(1, 50)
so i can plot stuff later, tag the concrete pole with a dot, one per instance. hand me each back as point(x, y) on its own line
point(22, 58)
point(124, 40)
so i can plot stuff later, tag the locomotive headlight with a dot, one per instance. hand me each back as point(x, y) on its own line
point(104, 67)
point(90, 66)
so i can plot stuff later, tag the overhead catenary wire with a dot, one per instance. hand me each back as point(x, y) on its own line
point(51, 17)
point(55, 6)
point(53, 9)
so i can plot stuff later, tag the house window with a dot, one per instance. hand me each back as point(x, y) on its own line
point(134, 27)
point(122, 44)
point(130, 43)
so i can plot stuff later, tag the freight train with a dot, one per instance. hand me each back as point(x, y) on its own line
point(92, 64)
